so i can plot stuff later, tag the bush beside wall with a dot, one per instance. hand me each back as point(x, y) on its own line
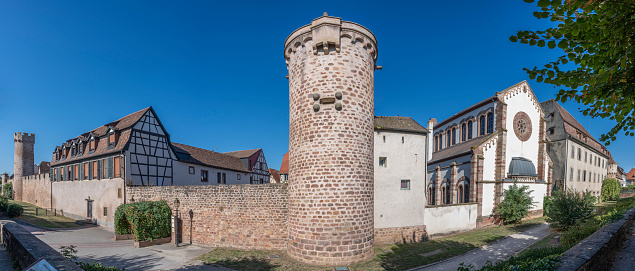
point(147, 220)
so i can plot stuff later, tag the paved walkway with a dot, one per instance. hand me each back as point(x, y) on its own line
point(625, 259)
point(494, 252)
point(98, 244)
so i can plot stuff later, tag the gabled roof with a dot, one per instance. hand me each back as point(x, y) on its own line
point(284, 167)
point(572, 127)
point(242, 154)
point(631, 174)
point(209, 158)
point(470, 108)
point(121, 124)
point(275, 175)
point(405, 124)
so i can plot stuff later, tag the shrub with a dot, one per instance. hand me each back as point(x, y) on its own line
point(94, 266)
point(4, 203)
point(147, 220)
point(14, 210)
point(610, 190)
point(566, 208)
point(533, 259)
point(515, 205)
point(7, 190)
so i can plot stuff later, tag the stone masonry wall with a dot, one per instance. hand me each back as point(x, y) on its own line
point(400, 235)
point(236, 216)
point(36, 189)
point(331, 142)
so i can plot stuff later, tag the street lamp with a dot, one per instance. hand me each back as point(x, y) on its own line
point(176, 221)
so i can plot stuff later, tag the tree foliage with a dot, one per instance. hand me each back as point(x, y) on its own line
point(610, 190)
point(147, 220)
point(7, 190)
point(596, 68)
point(566, 208)
point(516, 204)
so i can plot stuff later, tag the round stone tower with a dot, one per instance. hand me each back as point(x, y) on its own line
point(23, 161)
point(331, 67)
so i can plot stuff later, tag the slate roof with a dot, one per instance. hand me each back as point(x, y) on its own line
point(458, 149)
point(284, 167)
point(205, 157)
point(121, 125)
point(275, 175)
point(405, 124)
point(572, 127)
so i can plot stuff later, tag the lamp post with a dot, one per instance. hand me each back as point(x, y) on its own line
point(176, 221)
point(191, 222)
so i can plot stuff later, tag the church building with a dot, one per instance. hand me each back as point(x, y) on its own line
point(481, 151)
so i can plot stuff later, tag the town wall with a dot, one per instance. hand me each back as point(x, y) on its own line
point(236, 216)
point(72, 198)
point(36, 189)
point(400, 235)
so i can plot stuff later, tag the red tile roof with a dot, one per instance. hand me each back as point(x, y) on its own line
point(121, 125)
point(275, 175)
point(208, 158)
point(284, 167)
point(631, 175)
point(573, 128)
point(458, 149)
point(251, 155)
point(406, 124)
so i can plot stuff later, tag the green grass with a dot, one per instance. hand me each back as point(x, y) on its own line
point(402, 257)
point(42, 220)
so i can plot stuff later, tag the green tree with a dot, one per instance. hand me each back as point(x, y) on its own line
point(7, 190)
point(597, 36)
point(610, 190)
point(515, 205)
point(566, 208)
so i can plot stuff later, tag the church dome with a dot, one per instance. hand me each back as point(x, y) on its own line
point(521, 166)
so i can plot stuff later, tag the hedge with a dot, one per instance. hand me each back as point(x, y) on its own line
point(610, 190)
point(147, 220)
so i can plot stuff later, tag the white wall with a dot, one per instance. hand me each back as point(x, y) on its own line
point(489, 159)
point(475, 126)
point(539, 193)
point(593, 185)
point(183, 177)
point(519, 101)
point(395, 207)
point(488, 199)
point(447, 219)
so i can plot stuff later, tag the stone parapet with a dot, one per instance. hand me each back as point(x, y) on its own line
point(596, 251)
point(26, 248)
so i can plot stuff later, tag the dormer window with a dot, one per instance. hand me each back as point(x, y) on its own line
point(80, 147)
point(64, 153)
point(112, 139)
point(73, 151)
point(91, 144)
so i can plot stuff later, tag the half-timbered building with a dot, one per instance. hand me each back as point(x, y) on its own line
point(254, 161)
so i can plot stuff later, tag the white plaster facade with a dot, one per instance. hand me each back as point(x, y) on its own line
point(191, 174)
point(405, 155)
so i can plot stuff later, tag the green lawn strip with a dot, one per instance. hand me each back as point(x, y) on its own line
point(402, 257)
point(42, 220)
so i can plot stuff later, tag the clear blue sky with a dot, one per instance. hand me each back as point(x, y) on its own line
point(215, 73)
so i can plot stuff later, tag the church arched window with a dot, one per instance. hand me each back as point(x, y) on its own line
point(432, 194)
point(490, 123)
point(464, 191)
point(445, 192)
point(481, 123)
point(453, 136)
point(469, 129)
point(463, 133)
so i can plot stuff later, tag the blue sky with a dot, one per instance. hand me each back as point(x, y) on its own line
point(215, 73)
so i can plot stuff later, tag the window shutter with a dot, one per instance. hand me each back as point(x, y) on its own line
point(81, 171)
point(99, 169)
point(51, 174)
point(109, 163)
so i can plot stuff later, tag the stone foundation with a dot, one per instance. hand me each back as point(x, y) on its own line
point(400, 235)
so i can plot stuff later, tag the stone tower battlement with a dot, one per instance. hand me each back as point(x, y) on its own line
point(23, 160)
point(331, 67)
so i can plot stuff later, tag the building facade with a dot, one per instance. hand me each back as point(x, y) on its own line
point(400, 145)
point(474, 156)
point(255, 162)
point(580, 161)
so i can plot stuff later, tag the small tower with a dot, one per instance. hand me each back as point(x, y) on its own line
point(331, 67)
point(23, 160)
point(5, 178)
